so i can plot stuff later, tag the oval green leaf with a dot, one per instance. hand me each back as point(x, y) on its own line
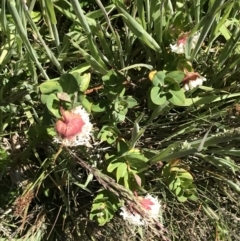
point(178, 97)
point(157, 97)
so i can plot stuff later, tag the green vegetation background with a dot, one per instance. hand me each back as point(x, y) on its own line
point(150, 136)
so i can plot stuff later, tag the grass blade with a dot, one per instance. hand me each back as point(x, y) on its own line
point(137, 28)
point(24, 37)
point(47, 49)
point(206, 22)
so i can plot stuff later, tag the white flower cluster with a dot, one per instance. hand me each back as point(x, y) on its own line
point(152, 208)
point(179, 46)
point(192, 83)
point(81, 138)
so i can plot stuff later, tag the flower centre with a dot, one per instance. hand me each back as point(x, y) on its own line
point(146, 203)
point(182, 39)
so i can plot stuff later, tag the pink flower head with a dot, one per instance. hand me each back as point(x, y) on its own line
point(179, 46)
point(149, 203)
point(182, 39)
point(192, 80)
point(74, 128)
point(69, 125)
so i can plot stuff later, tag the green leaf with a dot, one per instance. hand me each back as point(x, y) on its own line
point(50, 86)
point(175, 183)
point(35, 16)
point(113, 84)
point(118, 116)
point(120, 105)
point(104, 206)
point(181, 198)
point(85, 102)
point(115, 164)
point(51, 12)
point(122, 146)
point(170, 81)
point(157, 97)
point(109, 137)
point(172, 84)
point(136, 161)
point(131, 102)
point(176, 75)
point(158, 78)
point(136, 134)
point(100, 106)
point(186, 175)
point(126, 180)
point(44, 98)
point(121, 171)
point(52, 103)
point(166, 171)
point(82, 80)
point(68, 83)
point(165, 152)
point(81, 68)
point(177, 191)
point(209, 99)
point(113, 79)
point(193, 197)
point(178, 97)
